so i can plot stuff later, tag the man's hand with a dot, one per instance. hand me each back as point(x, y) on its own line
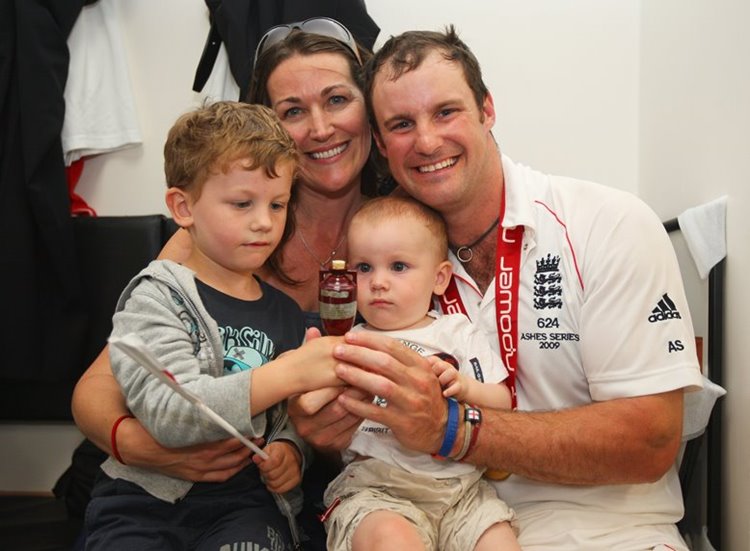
point(378, 365)
point(282, 470)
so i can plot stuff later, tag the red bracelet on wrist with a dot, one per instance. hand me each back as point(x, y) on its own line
point(113, 436)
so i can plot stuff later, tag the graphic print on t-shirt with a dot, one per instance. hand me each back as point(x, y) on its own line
point(547, 287)
point(245, 348)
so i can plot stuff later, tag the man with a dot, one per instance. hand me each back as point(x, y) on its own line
point(591, 319)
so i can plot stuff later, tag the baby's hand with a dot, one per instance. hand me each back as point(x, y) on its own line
point(450, 379)
point(282, 470)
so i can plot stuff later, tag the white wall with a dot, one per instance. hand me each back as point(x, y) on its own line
point(694, 144)
point(651, 97)
point(563, 74)
point(35, 455)
point(164, 41)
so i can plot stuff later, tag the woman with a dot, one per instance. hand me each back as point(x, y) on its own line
point(316, 91)
point(309, 74)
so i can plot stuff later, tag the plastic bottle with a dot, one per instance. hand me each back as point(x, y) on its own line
point(337, 298)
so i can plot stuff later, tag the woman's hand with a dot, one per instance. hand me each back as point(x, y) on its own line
point(212, 462)
point(417, 412)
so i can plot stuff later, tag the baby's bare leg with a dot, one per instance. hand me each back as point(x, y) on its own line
point(388, 531)
point(498, 537)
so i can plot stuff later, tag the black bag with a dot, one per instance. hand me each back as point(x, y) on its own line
point(75, 484)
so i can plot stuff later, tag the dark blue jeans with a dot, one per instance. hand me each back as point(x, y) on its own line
point(237, 514)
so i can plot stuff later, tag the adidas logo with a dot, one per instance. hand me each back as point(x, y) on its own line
point(665, 310)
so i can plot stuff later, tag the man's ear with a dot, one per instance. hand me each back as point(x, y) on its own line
point(379, 142)
point(488, 111)
point(179, 205)
point(442, 277)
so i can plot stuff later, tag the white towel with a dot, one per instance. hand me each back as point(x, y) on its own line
point(704, 230)
point(697, 408)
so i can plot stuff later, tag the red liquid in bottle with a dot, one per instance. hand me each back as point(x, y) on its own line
point(338, 299)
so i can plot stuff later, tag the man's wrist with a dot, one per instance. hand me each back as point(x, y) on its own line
point(472, 423)
point(451, 430)
point(460, 433)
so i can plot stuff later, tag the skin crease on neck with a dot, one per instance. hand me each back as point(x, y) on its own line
point(324, 111)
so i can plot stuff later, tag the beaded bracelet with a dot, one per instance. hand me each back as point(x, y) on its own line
point(113, 437)
point(451, 431)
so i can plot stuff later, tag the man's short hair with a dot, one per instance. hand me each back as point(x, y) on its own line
point(406, 52)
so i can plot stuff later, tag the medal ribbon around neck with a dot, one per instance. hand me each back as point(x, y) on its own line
point(507, 277)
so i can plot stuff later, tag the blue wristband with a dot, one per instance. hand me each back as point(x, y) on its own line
point(451, 429)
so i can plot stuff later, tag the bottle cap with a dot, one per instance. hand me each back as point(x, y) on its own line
point(338, 265)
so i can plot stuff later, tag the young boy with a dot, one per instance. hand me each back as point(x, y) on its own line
point(220, 331)
point(387, 496)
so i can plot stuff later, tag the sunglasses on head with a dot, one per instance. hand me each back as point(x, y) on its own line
point(323, 26)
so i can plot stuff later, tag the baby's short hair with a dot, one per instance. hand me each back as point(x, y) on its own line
point(395, 207)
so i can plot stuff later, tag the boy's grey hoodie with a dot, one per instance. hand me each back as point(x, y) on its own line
point(165, 310)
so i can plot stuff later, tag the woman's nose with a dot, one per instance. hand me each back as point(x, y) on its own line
point(321, 127)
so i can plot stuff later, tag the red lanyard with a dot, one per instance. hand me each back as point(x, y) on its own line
point(507, 277)
point(450, 301)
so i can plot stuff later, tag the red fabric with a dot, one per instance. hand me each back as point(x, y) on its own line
point(78, 206)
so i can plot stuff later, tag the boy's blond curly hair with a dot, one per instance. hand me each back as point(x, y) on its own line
point(211, 138)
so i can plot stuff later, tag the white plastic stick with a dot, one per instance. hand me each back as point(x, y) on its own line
point(134, 347)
